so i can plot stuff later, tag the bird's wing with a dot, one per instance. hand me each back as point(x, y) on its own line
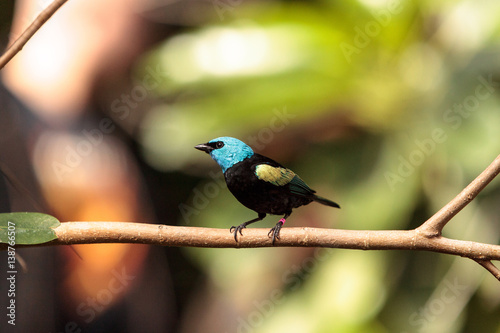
point(281, 176)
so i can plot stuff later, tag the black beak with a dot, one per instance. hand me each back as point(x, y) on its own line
point(204, 147)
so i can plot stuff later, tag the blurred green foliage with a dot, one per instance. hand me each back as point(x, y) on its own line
point(389, 108)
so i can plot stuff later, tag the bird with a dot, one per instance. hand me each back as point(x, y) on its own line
point(260, 183)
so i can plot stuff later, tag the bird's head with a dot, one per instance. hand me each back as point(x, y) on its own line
point(226, 151)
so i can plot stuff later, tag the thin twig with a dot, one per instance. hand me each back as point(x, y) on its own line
point(18, 45)
point(434, 225)
point(19, 186)
point(490, 267)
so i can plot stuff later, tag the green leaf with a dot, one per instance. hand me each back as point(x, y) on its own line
point(27, 228)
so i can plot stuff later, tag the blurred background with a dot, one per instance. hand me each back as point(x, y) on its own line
point(388, 107)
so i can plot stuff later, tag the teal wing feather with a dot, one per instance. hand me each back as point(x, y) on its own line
point(298, 186)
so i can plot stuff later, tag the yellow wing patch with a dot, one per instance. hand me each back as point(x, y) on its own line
point(274, 175)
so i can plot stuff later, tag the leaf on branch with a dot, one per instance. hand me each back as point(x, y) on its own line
point(27, 228)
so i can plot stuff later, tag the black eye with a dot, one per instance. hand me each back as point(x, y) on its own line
point(219, 144)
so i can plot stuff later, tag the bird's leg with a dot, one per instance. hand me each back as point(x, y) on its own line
point(275, 231)
point(244, 225)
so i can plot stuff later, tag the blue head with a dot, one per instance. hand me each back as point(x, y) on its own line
point(226, 151)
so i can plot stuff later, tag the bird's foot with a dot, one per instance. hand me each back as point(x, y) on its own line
point(274, 233)
point(237, 229)
point(242, 226)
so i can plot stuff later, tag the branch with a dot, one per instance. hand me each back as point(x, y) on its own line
point(69, 233)
point(434, 226)
point(18, 45)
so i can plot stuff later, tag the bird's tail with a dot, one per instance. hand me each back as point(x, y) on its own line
point(326, 202)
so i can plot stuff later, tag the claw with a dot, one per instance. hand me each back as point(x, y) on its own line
point(275, 231)
point(242, 226)
point(237, 229)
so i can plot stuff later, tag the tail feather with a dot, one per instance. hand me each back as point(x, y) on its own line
point(326, 202)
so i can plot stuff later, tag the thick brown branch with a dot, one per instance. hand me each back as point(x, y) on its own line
point(18, 45)
point(165, 235)
point(434, 225)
